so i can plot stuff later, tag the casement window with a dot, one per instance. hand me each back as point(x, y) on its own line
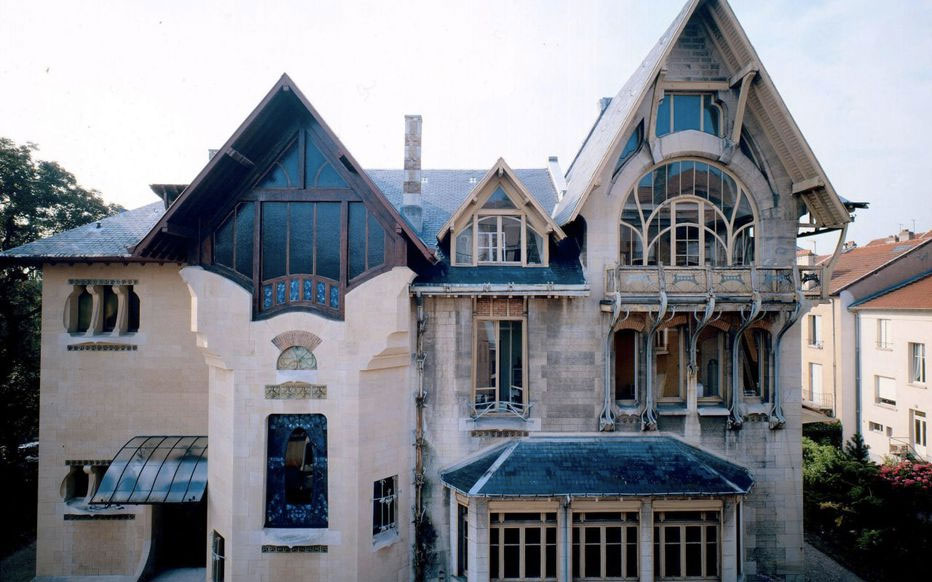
point(710, 355)
point(684, 111)
point(754, 361)
point(217, 557)
point(102, 307)
point(875, 427)
point(462, 540)
point(670, 364)
point(523, 546)
point(815, 331)
point(499, 234)
point(627, 357)
point(686, 545)
point(815, 382)
point(296, 474)
point(917, 363)
point(605, 546)
point(919, 430)
point(885, 390)
point(385, 506)
point(884, 341)
point(500, 372)
point(688, 213)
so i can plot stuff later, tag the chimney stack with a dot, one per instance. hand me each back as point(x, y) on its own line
point(411, 206)
point(905, 234)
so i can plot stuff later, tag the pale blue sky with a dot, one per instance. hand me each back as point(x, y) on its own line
point(124, 94)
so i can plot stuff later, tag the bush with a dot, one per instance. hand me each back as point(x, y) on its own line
point(824, 434)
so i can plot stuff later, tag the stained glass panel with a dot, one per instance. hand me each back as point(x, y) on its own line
point(321, 293)
point(301, 238)
point(266, 296)
point(356, 239)
point(280, 292)
point(308, 290)
point(223, 244)
point(294, 292)
point(376, 250)
point(245, 220)
point(334, 297)
point(274, 239)
point(328, 240)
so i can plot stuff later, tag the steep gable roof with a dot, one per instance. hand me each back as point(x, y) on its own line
point(854, 265)
point(764, 102)
point(236, 160)
point(915, 293)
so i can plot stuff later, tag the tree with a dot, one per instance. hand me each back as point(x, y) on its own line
point(37, 199)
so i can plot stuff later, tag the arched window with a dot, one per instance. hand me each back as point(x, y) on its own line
point(85, 310)
point(297, 358)
point(688, 213)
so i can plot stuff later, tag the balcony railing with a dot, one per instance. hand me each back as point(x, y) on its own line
point(635, 281)
point(820, 400)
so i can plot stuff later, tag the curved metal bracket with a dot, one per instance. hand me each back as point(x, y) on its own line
point(649, 414)
point(607, 417)
point(701, 323)
point(735, 420)
point(777, 420)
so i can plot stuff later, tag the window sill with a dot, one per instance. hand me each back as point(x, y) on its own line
point(80, 507)
point(713, 410)
point(385, 539)
point(672, 409)
point(885, 405)
point(499, 422)
point(817, 346)
point(135, 338)
point(920, 385)
point(291, 537)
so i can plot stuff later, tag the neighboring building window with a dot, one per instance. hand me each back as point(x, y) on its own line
point(710, 353)
point(883, 334)
point(217, 557)
point(687, 213)
point(626, 365)
point(919, 431)
point(670, 370)
point(686, 544)
point(296, 358)
point(605, 546)
point(500, 371)
point(889, 431)
point(875, 427)
point(499, 233)
point(917, 363)
point(754, 360)
point(384, 505)
point(815, 331)
point(886, 390)
point(296, 474)
point(683, 111)
point(815, 382)
point(523, 545)
point(462, 543)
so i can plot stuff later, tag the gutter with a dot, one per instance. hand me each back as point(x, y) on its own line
point(535, 290)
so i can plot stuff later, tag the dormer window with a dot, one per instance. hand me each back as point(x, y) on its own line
point(684, 111)
point(500, 224)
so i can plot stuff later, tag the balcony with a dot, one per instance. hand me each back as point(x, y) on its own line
point(818, 400)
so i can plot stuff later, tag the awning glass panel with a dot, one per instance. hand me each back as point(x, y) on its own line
point(156, 469)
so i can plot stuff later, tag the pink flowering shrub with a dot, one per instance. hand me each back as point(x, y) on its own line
point(908, 474)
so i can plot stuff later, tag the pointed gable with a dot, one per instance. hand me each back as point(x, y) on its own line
point(727, 58)
point(265, 152)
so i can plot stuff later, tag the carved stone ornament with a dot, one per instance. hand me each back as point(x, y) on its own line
point(295, 391)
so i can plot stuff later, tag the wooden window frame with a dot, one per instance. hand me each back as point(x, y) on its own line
point(681, 363)
point(702, 95)
point(477, 324)
point(917, 372)
point(660, 525)
point(638, 338)
point(584, 525)
point(497, 522)
point(722, 350)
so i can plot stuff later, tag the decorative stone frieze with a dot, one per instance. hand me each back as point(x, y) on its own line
point(316, 549)
point(289, 339)
point(98, 517)
point(295, 391)
point(86, 282)
point(102, 347)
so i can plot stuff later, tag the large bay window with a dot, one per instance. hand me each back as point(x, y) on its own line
point(523, 546)
point(686, 545)
point(688, 213)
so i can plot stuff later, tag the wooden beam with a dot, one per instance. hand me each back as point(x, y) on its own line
point(696, 85)
point(808, 185)
point(742, 105)
point(742, 73)
point(239, 158)
point(179, 231)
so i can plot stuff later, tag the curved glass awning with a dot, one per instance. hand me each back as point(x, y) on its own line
point(156, 469)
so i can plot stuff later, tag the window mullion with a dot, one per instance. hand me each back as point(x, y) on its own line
point(498, 362)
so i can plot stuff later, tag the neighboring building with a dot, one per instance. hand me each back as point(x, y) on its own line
point(894, 330)
point(829, 373)
point(479, 374)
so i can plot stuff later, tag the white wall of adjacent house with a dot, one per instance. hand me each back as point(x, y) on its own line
point(895, 396)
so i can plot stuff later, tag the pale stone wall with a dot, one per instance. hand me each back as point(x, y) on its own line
point(365, 363)
point(893, 362)
point(92, 403)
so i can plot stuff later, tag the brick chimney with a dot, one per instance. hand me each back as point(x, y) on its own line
point(411, 207)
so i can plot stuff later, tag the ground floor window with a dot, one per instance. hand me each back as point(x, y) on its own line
point(686, 544)
point(462, 545)
point(605, 546)
point(296, 474)
point(384, 505)
point(523, 546)
point(217, 557)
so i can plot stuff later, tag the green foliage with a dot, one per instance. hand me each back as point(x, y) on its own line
point(37, 199)
point(824, 433)
point(872, 518)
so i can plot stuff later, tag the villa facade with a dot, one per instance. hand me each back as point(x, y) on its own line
point(492, 374)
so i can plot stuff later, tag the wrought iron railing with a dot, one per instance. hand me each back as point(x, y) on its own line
point(723, 281)
point(820, 400)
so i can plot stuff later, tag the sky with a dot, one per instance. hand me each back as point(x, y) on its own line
point(125, 94)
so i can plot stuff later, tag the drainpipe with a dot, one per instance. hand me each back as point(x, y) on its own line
point(857, 372)
point(420, 550)
point(565, 566)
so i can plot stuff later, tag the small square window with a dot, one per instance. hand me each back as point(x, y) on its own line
point(875, 427)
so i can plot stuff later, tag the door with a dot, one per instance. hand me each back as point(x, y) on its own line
point(919, 433)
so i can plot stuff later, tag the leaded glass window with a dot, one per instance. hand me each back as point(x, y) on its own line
point(233, 239)
point(684, 111)
point(687, 213)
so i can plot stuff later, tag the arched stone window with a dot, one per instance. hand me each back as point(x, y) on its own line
point(688, 213)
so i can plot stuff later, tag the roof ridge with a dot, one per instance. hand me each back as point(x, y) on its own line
point(921, 243)
point(503, 456)
point(691, 452)
point(892, 288)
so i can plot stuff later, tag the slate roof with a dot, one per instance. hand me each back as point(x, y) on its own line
point(915, 293)
point(110, 237)
point(598, 467)
point(445, 190)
